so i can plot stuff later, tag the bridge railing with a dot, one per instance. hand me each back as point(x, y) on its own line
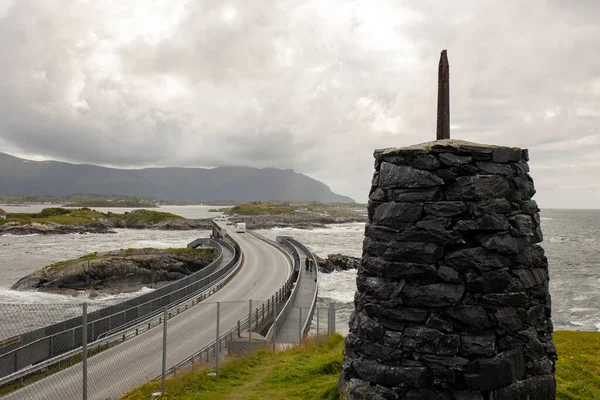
point(109, 323)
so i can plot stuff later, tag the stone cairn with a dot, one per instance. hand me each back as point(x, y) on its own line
point(452, 300)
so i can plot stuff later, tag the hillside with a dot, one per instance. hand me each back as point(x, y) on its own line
point(25, 177)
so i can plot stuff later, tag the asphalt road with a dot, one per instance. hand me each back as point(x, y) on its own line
point(121, 368)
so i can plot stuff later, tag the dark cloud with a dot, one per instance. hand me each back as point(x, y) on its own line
point(314, 86)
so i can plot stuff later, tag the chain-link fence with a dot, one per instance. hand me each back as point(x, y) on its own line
point(79, 364)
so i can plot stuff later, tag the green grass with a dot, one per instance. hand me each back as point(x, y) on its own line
point(66, 216)
point(311, 372)
point(303, 372)
point(262, 209)
point(578, 366)
point(199, 252)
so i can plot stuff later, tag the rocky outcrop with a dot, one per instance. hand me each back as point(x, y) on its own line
point(300, 221)
point(103, 225)
point(117, 271)
point(337, 262)
point(452, 296)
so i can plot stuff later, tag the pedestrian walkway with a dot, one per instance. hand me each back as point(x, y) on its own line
point(291, 331)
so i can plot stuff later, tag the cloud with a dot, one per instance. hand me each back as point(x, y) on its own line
point(314, 86)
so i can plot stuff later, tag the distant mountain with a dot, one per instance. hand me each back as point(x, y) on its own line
point(19, 176)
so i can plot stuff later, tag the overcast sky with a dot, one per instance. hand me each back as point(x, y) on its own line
point(311, 85)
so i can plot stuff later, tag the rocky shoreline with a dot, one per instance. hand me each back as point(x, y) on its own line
point(107, 225)
point(336, 263)
point(119, 271)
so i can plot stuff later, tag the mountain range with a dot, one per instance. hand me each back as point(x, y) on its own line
point(26, 177)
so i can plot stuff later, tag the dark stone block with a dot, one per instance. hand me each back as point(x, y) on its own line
point(531, 257)
point(445, 208)
point(535, 315)
point(366, 327)
point(490, 168)
point(400, 176)
point(394, 215)
point(392, 270)
point(427, 394)
point(453, 160)
point(461, 148)
point(446, 361)
point(478, 187)
point(435, 295)
point(441, 236)
point(493, 206)
point(379, 351)
point(434, 223)
point(492, 373)
point(505, 299)
point(437, 323)
point(491, 222)
point(358, 389)
point(534, 349)
point(531, 277)
point(415, 195)
point(400, 314)
point(448, 274)
point(426, 340)
point(379, 288)
point(507, 319)
point(377, 195)
point(477, 259)
point(520, 168)
point(525, 187)
point(506, 154)
point(372, 371)
point(525, 154)
point(503, 243)
point(417, 252)
point(522, 225)
point(483, 345)
point(467, 396)
point(541, 387)
point(537, 236)
point(540, 366)
point(380, 232)
point(447, 174)
point(529, 207)
point(489, 282)
point(427, 162)
point(509, 343)
point(469, 318)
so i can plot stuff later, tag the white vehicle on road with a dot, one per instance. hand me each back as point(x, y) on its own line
point(221, 218)
point(240, 227)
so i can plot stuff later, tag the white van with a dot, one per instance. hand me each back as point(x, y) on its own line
point(221, 218)
point(240, 227)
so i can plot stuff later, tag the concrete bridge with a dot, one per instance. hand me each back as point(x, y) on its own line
point(267, 270)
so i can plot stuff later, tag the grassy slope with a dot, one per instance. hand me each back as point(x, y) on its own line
point(308, 372)
point(70, 216)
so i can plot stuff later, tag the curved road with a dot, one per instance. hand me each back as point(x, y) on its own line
point(128, 365)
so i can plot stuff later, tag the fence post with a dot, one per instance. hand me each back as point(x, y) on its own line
point(164, 350)
point(300, 324)
point(217, 343)
point(317, 326)
point(239, 329)
point(263, 311)
point(331, 321)
point(250, 328)
point(274, 324)
point(84, 350)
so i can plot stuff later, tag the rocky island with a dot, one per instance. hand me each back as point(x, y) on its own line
point(125, 270)
point(256, 215)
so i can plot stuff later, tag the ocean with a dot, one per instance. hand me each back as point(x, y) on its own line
point(571, 242)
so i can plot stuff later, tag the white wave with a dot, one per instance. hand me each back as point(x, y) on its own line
point(8, 296)
point(338, 286)
point(576, 323)
point(580, 309)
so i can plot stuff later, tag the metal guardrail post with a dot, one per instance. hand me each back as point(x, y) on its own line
point(217, 343)
point(299, 324)
point(274, 325)
point(164, 350)
point(250, 328)
point(239, 329)
point(84, 350)
point(331, 328)
point(317, 326)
